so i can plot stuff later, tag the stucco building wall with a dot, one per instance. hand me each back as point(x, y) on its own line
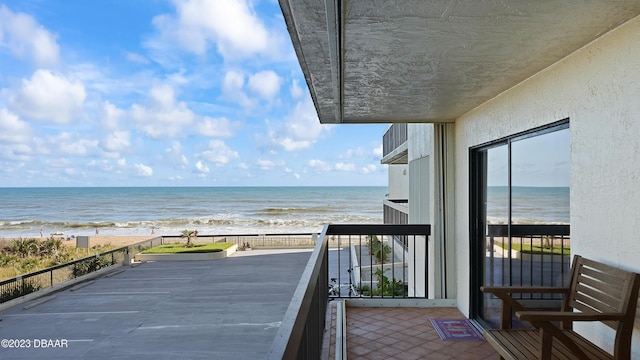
point(598, 89)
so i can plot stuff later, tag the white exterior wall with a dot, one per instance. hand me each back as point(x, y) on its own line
point(420, 151)
point(398, 182)
point(598, 88)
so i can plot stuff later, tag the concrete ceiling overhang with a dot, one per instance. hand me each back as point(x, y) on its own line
point(383, 61)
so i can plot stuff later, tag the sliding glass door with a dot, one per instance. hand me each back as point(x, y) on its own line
point(519, 216)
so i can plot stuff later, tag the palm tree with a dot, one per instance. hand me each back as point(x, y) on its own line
point(186, 233)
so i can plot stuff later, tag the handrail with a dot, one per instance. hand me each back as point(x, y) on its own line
point(304, 320)
point(25, 284)
point(301, 333)
point(5, 284)
point(60, 266)
point(247, 235)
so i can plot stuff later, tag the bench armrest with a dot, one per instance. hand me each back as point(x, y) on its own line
point(535, 316)
point(509, 303)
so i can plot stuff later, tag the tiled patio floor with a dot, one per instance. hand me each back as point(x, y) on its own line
point(404, 334)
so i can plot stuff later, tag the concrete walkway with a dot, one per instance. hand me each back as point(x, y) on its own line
point(219, 309)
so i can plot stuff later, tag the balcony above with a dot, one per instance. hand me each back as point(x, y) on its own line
point(433, 61)
point(395, 149)
point(399, 155)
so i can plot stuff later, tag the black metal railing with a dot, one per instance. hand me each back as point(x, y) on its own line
point(25, 284)
point(378, 261)
point(295, 240)
point(528, 255)
point(395, 136)
point(42, 279)
point(301, 333)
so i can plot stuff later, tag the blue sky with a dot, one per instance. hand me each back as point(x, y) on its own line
point(165, 93)
point(541, 161)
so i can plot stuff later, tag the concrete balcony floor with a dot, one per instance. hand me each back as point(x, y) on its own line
point(402, 333)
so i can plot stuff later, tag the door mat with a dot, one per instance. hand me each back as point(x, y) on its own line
point(456, 329)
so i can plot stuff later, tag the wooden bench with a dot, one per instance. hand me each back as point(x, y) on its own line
point(596, 292)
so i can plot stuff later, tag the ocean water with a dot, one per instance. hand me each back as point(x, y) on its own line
point(231, 210)
point(530, 205)
point(210, 210)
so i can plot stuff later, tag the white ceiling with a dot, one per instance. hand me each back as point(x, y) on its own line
point(382, 61)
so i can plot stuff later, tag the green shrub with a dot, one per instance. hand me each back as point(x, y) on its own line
point(90, 265)
point(23, 247)
point(7, 259)
point(379, 250)
point(18, 289)
point(385, 286)
point(382, 253)
point(28, 265)
point(50, 247)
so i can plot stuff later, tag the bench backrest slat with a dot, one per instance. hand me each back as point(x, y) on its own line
point(597, 287)
point(612, 291)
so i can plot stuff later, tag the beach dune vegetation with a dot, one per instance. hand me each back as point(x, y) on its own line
point(24, 255)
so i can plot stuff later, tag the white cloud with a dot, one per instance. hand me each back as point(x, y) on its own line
point(49, 97)
point(267, 164)
point(303, 122)
point(296, 91)
point(290, 144)
point(26, 38)
point(162, 116)
point(219, 153)
point(103, 165)
point(345, 166)
point(137, 58)
point(265, 83)
point(110, 116)
point(368, 169)
point(202, 168)
point(319, 165)
point(377, 151)
point(175, 155)
point(71, 144)
point(300, 128)
point(232, 88)
point(71, 171)
point(12, 129)
point(143, 170)
point(16, 152)
point(116, 141)
point(351, 153)
point(215, 127)
point(230, 25)
point(58, 162)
